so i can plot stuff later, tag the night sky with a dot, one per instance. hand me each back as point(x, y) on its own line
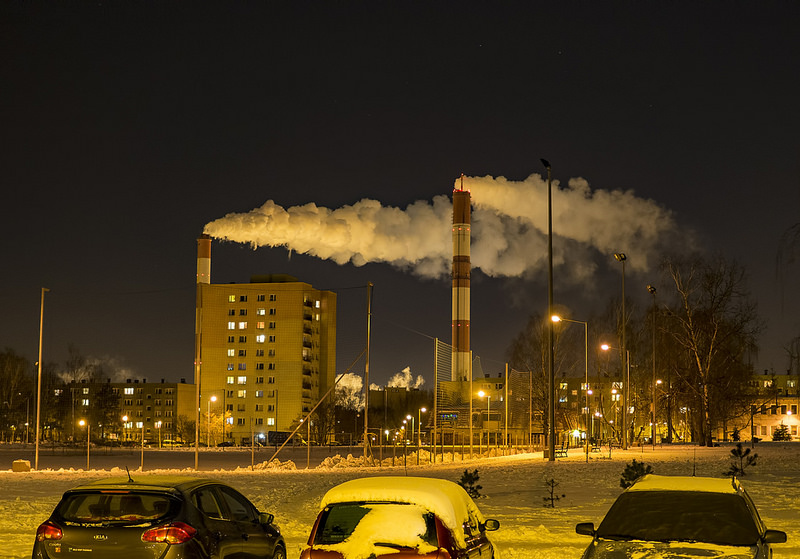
point(127, 127)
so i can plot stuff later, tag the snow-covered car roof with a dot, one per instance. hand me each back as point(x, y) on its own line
point(652, 482)
point(447, 500)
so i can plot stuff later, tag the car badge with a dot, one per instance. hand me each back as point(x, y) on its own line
point(100, 537)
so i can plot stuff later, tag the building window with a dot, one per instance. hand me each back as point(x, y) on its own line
point(242, 353)
point(229, 379)
point(270, 407)
point(259, 380)
point(243, 326)
point(241, 380)
point(242, 394)
point(259, 421)
point(260, 297)
point(242, 298)
point(273, 312)
point(240, 407)
point(272, 325)
point(240, 421)
point(270, 421)
point(242, 339)
point(128, 390)
point(259, 366)
point(272, 353)
point(231, 353)
point(273, 297)
point(231, 312)
point(259, 393)
point(260, 338)
point(272, 339)
point(230, 366)
point(259, 353)
point(271, 366)
point(242, 366)
point(270, 380)
point(168, 402)
point(259, 407)
point(242, 312)
point(231, 326)
point(231, 298)
point(261, 312)
point(85, 402)
point(260, 325)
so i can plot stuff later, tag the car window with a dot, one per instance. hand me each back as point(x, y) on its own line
point(240, 508)
point(206, 501)
point(389, 523)
point(119, 508)
point(680, 515)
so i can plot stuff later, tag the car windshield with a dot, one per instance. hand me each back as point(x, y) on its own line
point(115, 507)
point(680, 516)
point(390, 524)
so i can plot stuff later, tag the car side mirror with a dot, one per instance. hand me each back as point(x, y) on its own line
point(265, 518)
point(774, 536)
point(491, 525)
point(585, 529)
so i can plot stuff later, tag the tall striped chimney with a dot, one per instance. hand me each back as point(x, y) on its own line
point(462, 364)
point(203, 278)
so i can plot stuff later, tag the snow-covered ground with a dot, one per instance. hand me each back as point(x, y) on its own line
point(513, 490)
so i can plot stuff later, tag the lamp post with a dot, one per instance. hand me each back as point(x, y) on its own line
point(124, 426)
point(208, 420)
point(626, 382)
point(586, 391)
point(88, 439)
point(158, 426)
point(39, 380)
point(621, 257)
point(420, 411)
point(411, 419)
point(551, 376)
point(142, 463)
point(488, 413)
point(652, 290)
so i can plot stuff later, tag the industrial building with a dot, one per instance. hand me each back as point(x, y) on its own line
point(265, 350)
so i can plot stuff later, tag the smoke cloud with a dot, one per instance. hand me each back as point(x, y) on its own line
point(509, 229)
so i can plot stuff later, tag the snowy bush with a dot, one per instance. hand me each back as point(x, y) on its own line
point(632, 472)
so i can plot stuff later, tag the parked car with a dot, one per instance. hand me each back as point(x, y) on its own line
point(664, 516)
point(405, 517)
point(169, 517)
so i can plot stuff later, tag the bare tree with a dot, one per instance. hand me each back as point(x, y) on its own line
point(714, 322)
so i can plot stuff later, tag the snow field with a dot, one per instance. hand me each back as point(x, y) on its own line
point(513, 491)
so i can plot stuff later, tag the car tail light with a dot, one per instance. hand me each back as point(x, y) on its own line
point(48, 531)
point(176, 532)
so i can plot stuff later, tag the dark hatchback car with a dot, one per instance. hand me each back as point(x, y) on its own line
point(681, 517)
point(164, 517)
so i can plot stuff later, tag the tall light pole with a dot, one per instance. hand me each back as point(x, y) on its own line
point(39, 381)
point(626, 355)
point(551, 375)
point(481, 394)
point(586, 391)
point(652, 290)
point(420, 411)
point(620, 257)
point(208, 420)
point(88, 439)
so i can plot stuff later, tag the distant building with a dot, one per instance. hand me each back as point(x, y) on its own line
point(267, 352)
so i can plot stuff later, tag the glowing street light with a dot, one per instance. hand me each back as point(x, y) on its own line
point(556, 318)
point(420, 411)
point(208, 420)
point(481, 394)
point(88, 439)
point(625, 392)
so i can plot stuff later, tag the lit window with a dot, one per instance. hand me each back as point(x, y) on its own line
point(128, 390)
point(231, 298)
point(270, 421)
point(231, 326)
point(260, 338)
point(230, 366)
point(241, 380)
point(316, 304)
point(259, 393)
point(85, 402)
point(242, 394)
point(229, 380)
point(85, 390)
point(242, 325)
point(260, 325)
point(231, 352)
point(261, 312)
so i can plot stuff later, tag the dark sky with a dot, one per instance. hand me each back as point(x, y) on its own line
point(126, 127)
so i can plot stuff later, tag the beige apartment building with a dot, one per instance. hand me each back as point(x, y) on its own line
point(267, 353)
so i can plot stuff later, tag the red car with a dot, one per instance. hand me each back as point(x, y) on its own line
point(407, 517)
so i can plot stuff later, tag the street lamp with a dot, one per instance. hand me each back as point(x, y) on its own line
point(551, 376)
point(124, 426)
point(556, 318)
point(88, 439)
point(625, 391)
point(621, 257)
point(208, 420)
point(652, 290)
point(158, 426)
point(420, 411)
point(481, 394)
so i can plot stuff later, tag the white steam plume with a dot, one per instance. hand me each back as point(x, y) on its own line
point(509, 229)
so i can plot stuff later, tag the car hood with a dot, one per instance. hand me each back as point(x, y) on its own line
point(607, 549)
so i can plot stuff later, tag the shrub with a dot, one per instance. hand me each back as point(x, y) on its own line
point(742, 456)
point(550, 500)
point(468, 482)
point(632, 472)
